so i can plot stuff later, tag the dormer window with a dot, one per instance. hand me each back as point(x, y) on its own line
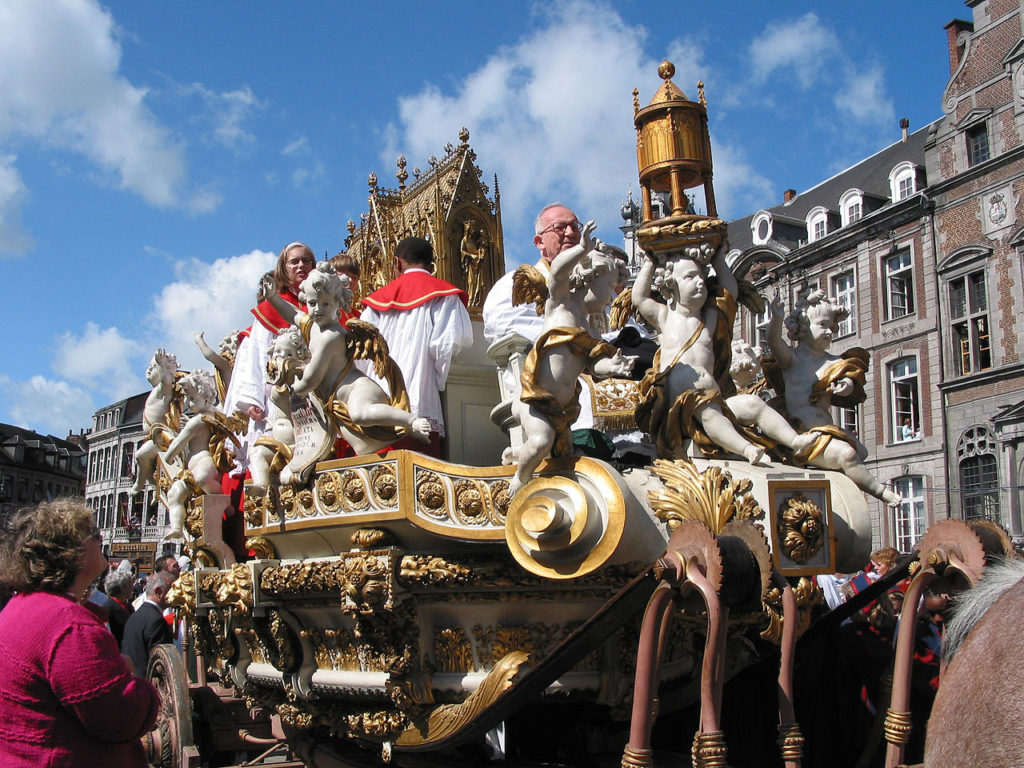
point(851, 206)
point(817, 224)
point(761, 227)
point(902, 181)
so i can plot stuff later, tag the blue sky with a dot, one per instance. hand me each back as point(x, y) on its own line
point(155, 156)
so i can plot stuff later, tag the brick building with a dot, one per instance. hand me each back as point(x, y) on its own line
point(922, 243)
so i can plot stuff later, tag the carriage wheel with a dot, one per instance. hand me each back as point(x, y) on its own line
point(170, 744)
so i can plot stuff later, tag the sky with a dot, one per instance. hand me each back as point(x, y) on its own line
point(154, 157)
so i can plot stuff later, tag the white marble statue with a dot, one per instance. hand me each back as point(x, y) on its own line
point(580, 283)
point(158, 421)
point(682, 394)
point(811, 380)
point(222, 359)
point(365, 416)
point(193, 444)
point(271, 452)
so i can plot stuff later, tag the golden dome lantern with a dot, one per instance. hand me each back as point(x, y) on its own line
point(673, 151)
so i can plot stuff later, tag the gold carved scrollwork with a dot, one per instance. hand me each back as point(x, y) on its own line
point(384, 484)
point(432, 496)
point(182, 594)
point(328, 491)
point(194, 514)
point(808, 597)
point(448, 719)
point(367, 587)
point(372, 538)
point(255, 508)
point(452, 652)
point(712, 497)
point(353, 491)
point(261, 547)
point(232, 587)
point(305, 576)
point(332, 648)
point(428, 569)
point(801, 528)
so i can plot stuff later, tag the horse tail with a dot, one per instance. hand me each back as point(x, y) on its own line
point(972, 604)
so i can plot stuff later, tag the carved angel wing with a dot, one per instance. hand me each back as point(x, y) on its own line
point(622, 309)
point(365, 342)
point(529, 285)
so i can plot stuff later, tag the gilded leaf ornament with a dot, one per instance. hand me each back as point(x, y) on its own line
point(712, 497)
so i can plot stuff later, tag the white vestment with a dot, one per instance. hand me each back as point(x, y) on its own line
point(422, 341)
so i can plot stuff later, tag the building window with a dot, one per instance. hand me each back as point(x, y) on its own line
point(979, 475)
point(899, 285)
point(968, 309)
point(760, 329)
point(853, 212)
point(127, 456)
point(902, 181)
point(848, 418)
point(844, 290)
point(903, 395)
point(910, 515)
point(977, 144)
point(817, 223)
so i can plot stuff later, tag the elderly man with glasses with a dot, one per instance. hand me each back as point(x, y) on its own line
point(557, 228)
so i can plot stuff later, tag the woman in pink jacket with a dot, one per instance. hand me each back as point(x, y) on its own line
point(67, 697)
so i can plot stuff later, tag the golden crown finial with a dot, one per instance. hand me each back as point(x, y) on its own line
point(666, 70)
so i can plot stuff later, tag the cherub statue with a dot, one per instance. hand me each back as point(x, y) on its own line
point(580, 283)
point(161, 416)
point(811, 380)
point(362, 412)
point(223, 360)
point(193, 443)
point(688, 392)
point(271, 452)
point(745, 368)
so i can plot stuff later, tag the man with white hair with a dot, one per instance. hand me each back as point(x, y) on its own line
point(146, 628)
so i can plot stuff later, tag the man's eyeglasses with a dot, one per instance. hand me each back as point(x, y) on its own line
point(559, 227)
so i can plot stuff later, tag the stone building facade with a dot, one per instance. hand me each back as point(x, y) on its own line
point(36, 468)
point(132, 525)
point(923, 243)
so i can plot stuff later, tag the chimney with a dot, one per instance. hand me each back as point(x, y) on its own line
point(904, 127)
point(788, 196)
point(953, 30)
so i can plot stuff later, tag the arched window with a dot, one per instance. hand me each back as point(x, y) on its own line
point(817, 224)
point(851, 206)
point(902, 181)
point(979, 475)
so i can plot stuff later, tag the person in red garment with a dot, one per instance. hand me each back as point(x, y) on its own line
point(67, 696)
point(426, 324)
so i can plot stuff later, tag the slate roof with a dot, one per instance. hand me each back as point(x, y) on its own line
point(870, 175)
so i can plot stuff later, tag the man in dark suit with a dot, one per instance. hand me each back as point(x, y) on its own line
point(147, 627)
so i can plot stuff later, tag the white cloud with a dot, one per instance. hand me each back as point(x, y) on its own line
point(551, 113)
point(863, 98)
point(103, 359)
point(213, 298)
point(47, 406)
point(13, 239)
point(803, 46)
point(226, 112)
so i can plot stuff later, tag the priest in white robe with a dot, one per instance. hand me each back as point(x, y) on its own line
point(426, 324)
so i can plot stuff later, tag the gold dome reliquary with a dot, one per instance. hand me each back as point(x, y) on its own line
point(673, 151)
